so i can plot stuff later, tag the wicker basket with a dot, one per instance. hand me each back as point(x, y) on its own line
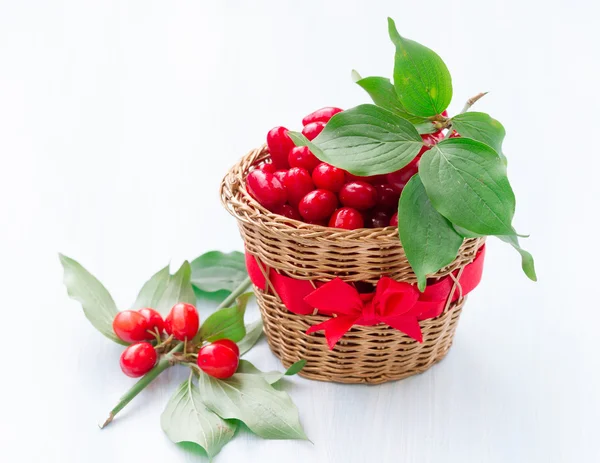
point(366, 354)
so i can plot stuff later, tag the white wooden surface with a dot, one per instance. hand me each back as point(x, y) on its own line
point(117, 122)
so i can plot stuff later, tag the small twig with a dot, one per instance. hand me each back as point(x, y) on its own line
point(471, 101)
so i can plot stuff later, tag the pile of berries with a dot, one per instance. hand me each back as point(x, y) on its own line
point(143, 329)
point(297, 185)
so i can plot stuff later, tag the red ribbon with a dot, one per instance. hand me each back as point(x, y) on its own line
point(397, 304)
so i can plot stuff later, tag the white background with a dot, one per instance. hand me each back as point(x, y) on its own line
point(118, 121)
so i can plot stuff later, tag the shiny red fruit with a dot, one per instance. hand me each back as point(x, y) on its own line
point(454, 134)
point(138, 359)
point(279, 144)
point(298, 184)
point(379, 219)
point(329, 177)
point(131, 326)
point(288, 211)
point(318, 205)
point(387, 196)
point(321, 115)
point(280, 175)
point(300, 156)
point(359, 195)
point(183, 321)
point(394, 220)
point(219, 359)
point(400, 178)
point(347, 218)
point(313, 129)
point(154, 319)
point(266, 189)
point(267, 167)
point(432, 138)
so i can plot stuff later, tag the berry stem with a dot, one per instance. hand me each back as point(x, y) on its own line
point(244, 285)
point(164, 363)
point(471, 101)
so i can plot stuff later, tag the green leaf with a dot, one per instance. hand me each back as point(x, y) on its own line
point(527, 263)
point(270, 377)
point(421, 78)
point(179, 289)
point(153, 289)
point(98, 305)
point(295, 367)
point(267, 412)
point(254, 331)
point(216, 271)
point(429, 241)
point(466, 233)
point(365, 140)
point(226, 323)
point(466, 182)
point(186, 419)
point(246, 367)
point(481, 127)
point(384, 95)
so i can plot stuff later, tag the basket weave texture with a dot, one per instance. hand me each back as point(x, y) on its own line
point(366, 354)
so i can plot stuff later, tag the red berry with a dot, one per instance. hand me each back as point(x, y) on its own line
point(288, 211)
point(394, 220)
point(318, 205)
point(298, 183)
point(183, 321)
point(322, 222)
point(219, 359)
point(329, 177)
point(378, 219)
point(347, 218)
point(313, 129)
point(454, 134)
point(266, 189)
point(445, 113)
point(401, 177)
point(279, 144)
point(387, 196)
point(154, 319)
point(300, 156)
point(280, 175)
point(321, 115)
point(138, 359)
point(229, 344)
point(359, 195)
point(131, 326)
point(432, 138)
point(267, 167)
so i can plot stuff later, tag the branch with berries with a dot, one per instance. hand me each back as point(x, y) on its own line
point(162, 329)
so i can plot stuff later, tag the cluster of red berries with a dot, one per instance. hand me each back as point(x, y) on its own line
point(138, 327)
point(297, 185)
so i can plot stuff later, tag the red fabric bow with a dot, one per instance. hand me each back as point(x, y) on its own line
point(397, 304)
point(394, 303)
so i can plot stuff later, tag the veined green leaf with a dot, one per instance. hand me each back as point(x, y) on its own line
point(254, 331)
point(481, 127)
point(153, 289)
point(267, 412)
point(466, 183)
point(270, 377)
point(429, 241)
point(216, 271)
point(527, 263)
point(365, 140)
point(384, 95)
point(226, 323)
point(186, 419)
point(179, 289)
point(98, 305)
point(421, 78)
